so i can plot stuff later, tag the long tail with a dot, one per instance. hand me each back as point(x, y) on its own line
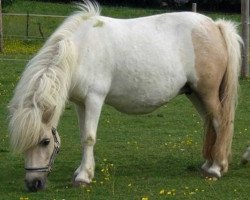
point(229, 86)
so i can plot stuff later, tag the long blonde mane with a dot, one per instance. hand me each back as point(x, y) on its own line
point(45, 82)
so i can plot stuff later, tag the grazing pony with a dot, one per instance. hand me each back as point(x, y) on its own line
point(134, 65)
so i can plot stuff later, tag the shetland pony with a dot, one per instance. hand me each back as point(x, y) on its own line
point(134, 65)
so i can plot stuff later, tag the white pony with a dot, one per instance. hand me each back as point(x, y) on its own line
point(134, 65)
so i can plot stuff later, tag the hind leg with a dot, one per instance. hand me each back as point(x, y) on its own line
point(209, 140)
point(214, 142)
point(218, 129)
point(209, 113)
point(222, 147)
point(218, 133)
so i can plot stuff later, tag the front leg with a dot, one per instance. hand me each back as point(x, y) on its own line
point(88, 117)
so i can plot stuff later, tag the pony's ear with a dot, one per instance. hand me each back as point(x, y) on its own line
point(48, 114)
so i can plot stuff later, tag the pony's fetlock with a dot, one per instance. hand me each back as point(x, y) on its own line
point(224, 166)
point(206, 165)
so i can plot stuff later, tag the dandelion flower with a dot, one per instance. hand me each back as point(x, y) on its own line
point(162, 191)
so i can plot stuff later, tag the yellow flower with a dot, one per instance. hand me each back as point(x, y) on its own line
point(144, 198)
point(162, 191)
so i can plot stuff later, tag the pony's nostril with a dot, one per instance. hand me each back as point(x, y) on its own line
point(38, 184)
point(34, 185)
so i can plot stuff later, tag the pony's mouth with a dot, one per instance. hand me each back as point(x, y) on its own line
point(35, 184)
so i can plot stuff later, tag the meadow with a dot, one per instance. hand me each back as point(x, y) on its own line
point(147, 157)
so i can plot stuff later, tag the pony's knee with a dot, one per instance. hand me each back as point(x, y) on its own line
point(89, 140)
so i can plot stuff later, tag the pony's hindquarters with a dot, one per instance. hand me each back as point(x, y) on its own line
point(217, 63)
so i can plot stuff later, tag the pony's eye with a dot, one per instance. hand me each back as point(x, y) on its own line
point(45, 142)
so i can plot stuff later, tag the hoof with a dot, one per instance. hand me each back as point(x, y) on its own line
point(210, 176)
point(80, 184)
point(213, 173)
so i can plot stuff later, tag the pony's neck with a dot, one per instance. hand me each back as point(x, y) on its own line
point(60, 75)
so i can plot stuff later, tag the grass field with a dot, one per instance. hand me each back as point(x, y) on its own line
point(155, 156)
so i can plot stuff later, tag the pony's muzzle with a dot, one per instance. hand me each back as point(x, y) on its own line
point(35, 184)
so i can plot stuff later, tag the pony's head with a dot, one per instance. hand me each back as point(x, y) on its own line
point(39, 160)
point(33, 134)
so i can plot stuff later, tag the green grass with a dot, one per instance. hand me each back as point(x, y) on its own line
point(136, 156)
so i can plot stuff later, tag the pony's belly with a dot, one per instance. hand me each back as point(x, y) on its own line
point(146, 89)
point(131, 106)
point(136, 101)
